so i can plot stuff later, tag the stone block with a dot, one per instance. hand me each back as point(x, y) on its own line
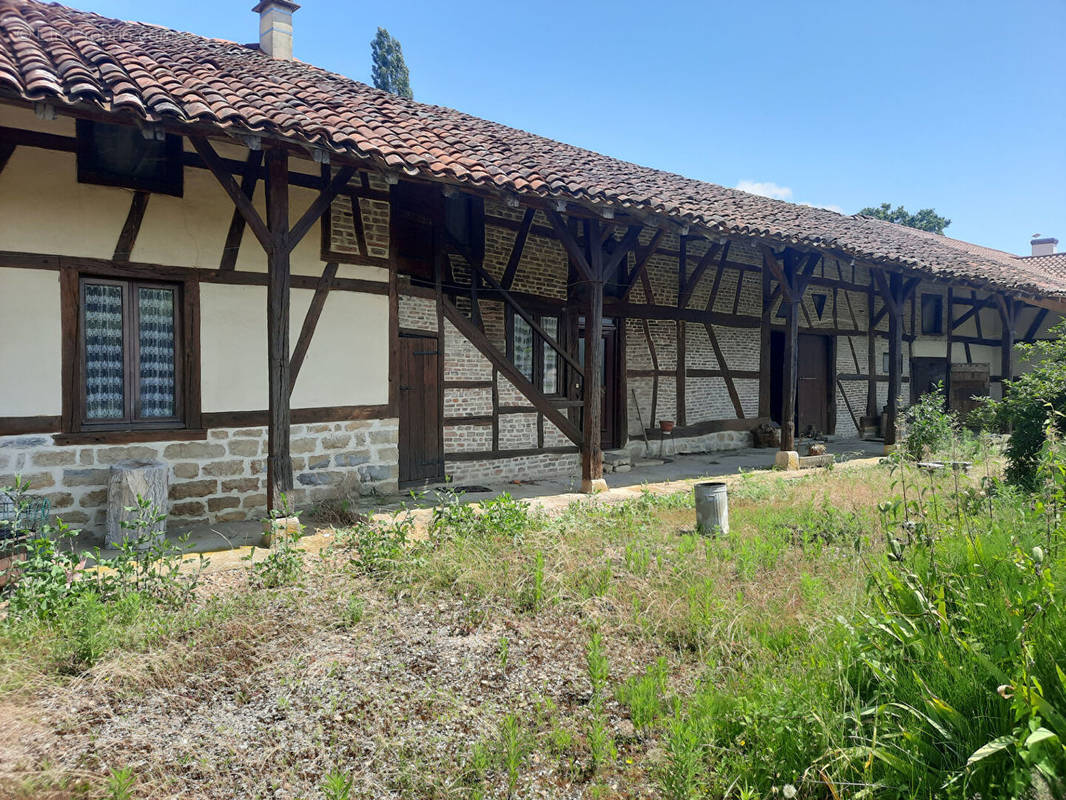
point(222, 503)
point(129, 482)
point(235, 515)
point(321, 478)
point(318, 462)
point(74, 517)
point(189, 508)
point(54, 458)
point(245, 433)
point(307, 444)
point(25, 442)
point(218, 433)
point(37, 480)
point(186, 470)
point(113, 455)
point(184, 451)
point(222, 469)
point(813, 462)
point(87, 456)
point(255, 501)
point(257, 466)
point(787, 460)
point(60, 499)
point(244, 447)
point(371, 473)
point(385, 436)
point(336, 441)
point(319, 428)
point(387, 454)
point(353, 459)
point(97, 497)
point(240, 485)
point(187, 489)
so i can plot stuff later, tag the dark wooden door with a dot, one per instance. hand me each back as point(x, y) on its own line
point(610, 415)
point(421, 445)
point(812, 390)
point(926, 373)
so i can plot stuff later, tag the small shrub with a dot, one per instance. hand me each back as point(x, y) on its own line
point(602, 749)
point(284, 563)
point(929, 426)
point(596, 664)
point(644, 695)
point(682, 776)
point(380, 547)
point(1030, 403)
point(120, 784)
point(337, 785)
point(353, 612)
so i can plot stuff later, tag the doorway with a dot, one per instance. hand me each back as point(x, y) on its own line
point(812, 384)
point(610, 352)
point(814, 380)
point(421, 446)
point(926, 373)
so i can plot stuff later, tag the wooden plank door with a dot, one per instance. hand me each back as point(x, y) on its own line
point(813, 381)
point(421, 443)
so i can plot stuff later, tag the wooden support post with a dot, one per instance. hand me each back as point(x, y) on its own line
point(949, 329)
point(765, 366)
point(791, 360)
point(591, 454)
point(1008, 314)
point(895, 356)
point(279, 462)
point(872, 411)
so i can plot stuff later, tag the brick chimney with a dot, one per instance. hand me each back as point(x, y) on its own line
point(1044, 246)
point(275, 28)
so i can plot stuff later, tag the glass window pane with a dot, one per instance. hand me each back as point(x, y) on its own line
point(551, 358)
point(523, 347)
point(104, 387)
point(156, 343)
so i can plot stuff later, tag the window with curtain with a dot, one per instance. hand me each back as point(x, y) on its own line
point(130, 353)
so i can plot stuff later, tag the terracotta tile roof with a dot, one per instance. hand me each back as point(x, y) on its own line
point(1054, 264)
point(51, 52)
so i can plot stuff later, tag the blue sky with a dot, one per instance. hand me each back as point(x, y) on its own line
point(955, 104)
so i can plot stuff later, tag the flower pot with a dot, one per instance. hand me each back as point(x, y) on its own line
point(666, 425)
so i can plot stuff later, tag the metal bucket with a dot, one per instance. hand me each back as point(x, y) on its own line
point(712, 508)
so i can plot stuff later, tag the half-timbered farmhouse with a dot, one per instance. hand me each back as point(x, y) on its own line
point(276, 279)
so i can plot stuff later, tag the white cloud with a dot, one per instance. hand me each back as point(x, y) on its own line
point(771, 189)
point(827, 207)
point(766, 189)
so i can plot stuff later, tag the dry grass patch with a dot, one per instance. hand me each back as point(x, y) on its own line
point(459, 666)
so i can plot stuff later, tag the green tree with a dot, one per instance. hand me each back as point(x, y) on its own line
point(388, 70)
point(924, 220)
point(1031, 403)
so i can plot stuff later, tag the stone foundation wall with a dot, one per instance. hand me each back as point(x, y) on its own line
point(531, 467)
point(220, 479)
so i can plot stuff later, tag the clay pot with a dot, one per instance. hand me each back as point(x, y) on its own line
point(666, 425)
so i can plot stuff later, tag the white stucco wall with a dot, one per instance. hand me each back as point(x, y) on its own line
point(346, 364)
point(348, 360)
point(30, 343)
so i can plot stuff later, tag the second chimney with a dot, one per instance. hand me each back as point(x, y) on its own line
point(275, 28)
point(1044, 247)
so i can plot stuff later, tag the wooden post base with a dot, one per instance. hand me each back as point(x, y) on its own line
point(593, 485)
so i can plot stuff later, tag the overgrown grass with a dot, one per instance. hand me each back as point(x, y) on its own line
point(869, 632)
